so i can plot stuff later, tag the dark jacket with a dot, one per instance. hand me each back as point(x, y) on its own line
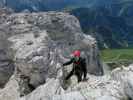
point(79, 66)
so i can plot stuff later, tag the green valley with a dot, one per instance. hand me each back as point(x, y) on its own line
point(117, 57)
point(117, 54)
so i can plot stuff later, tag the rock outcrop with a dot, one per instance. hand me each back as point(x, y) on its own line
point(6, 67)
point(115, 86)
point(6, 57)
point(11, 90)
point(124, 75)
point(51, 88)
point(41, 42)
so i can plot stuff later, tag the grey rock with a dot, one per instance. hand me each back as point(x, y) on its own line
point(96, 88)
point(46, 91)
point(43, 41)
point(6, 67)
point(69, 96)
point(124, 75)
point(107, 98)
point(6, 55)
point(6, 62)
point(128, 87)
point(40, 43)
point(11, 90)
point(99, 87)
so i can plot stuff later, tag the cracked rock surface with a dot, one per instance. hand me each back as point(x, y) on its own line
point(38, 44)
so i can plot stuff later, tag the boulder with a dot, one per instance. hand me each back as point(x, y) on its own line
point(46, 91)
point(11, 90)
point(125, 75)
point(97, 88)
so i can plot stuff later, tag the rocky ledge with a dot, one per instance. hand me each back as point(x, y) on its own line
point(38, 44)
point(115, 86)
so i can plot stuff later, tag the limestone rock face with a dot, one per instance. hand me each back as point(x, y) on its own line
point(39, 44)
point(69, 96)
point(43, 41)
point(6, 67)
point(11, 90)
point(96, 88)
point(6, 58)
point(125, 75)
point(45, 92)
point(115, 86)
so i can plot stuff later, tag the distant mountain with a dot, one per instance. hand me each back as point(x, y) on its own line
point(42, 5)
point(111, 31)
point(37, 5)
point(110, 21)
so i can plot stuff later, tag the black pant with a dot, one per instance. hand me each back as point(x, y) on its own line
point(77, 73)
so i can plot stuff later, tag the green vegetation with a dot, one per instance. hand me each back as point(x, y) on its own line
point(70, 8)
point(114, 55)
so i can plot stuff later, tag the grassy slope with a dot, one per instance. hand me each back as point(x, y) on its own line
point(111, 55)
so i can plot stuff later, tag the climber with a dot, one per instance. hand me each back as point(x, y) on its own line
point(79, 66)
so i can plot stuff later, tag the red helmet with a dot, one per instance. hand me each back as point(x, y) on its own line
point(76, 53)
